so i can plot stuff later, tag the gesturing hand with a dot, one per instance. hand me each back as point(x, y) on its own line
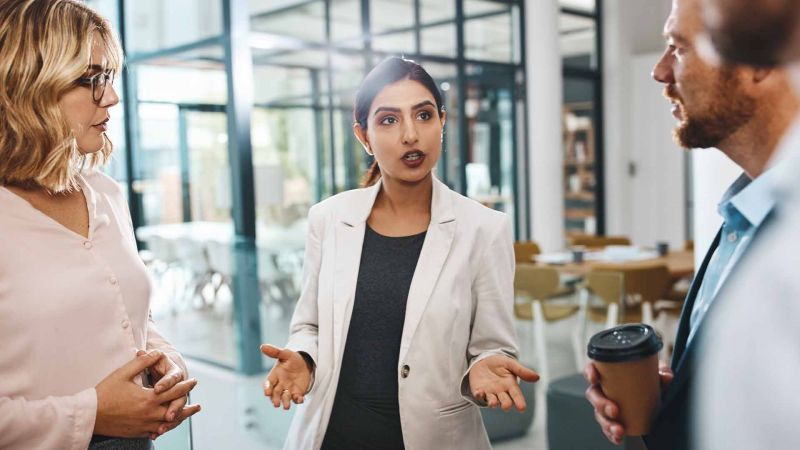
point(494, 380)
point(289, 379)
point(125, 409)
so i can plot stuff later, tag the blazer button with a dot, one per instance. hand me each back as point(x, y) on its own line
point(404, 371)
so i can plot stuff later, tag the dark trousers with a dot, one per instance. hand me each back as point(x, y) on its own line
point(109, 443)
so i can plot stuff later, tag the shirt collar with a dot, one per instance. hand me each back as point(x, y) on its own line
point(753, 199)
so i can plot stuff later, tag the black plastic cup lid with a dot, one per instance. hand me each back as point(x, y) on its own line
point(624, 343)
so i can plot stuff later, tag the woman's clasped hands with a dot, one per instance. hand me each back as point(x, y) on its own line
point(126, 409)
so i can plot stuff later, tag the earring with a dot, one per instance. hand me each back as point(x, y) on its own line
point(366, 149)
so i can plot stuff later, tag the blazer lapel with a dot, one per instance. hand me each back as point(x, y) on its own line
point(434, 253)
point(349, 242)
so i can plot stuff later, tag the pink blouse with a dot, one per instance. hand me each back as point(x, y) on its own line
point(72, 310)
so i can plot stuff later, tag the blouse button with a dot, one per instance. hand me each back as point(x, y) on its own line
point(113, 280)
point(87, 245)
point(404, 372)
point(125, 324)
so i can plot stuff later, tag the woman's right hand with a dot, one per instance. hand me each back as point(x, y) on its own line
point(125, 409)
point(289, 378)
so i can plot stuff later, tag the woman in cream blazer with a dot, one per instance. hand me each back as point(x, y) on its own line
point(458, 345)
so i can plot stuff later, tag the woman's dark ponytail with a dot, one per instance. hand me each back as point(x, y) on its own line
point(372, 176)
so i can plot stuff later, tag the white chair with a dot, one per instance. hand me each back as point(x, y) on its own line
point(194, 259)
point(277, 286)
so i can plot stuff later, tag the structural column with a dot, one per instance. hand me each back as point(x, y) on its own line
point(544, 99)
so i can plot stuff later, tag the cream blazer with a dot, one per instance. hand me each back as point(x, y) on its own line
point(459, 311)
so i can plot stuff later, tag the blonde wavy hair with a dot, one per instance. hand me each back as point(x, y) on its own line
point(45, 45)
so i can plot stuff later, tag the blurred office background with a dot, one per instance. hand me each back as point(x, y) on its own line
point(236, 117)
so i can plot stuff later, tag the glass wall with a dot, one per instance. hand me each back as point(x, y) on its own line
point(238, 117)
point(579, 25)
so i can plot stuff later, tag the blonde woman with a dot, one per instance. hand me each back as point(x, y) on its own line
point(79, 349)
point(404, 326)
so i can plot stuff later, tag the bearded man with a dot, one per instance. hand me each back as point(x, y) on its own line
point(750, 402)
point(742, 111)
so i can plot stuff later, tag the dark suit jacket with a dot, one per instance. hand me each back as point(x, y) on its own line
point(671, 427)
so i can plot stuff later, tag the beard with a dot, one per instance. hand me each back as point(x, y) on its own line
point(726, 111)
point(748, 33)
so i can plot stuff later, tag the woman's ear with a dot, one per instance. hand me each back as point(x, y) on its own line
point(443, 117)
point(361, 135)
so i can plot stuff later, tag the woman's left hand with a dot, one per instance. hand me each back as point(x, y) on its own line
point(494, 380)
point(166, 374)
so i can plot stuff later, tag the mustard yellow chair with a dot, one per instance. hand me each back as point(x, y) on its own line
point(524, 251)
point(540, 299)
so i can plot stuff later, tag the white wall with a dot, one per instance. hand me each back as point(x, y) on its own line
point(657, 193)
point(648, 202)
point(712, 173)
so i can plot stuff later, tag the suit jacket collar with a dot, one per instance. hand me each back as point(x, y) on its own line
point(355, 213)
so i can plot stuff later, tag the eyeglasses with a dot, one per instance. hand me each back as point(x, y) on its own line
point(97, 83)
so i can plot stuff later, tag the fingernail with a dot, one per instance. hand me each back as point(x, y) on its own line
point(171, 416)
point(609, 411)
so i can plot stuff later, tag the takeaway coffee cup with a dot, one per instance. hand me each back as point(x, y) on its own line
point(627, 359)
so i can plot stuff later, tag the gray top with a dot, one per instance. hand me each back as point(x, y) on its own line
point(366, 411)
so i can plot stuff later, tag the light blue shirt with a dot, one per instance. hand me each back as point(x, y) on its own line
point(743, 208)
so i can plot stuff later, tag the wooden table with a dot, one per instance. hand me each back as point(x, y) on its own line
point(679, 263)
